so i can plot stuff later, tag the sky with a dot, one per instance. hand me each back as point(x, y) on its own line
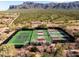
point(4, 4)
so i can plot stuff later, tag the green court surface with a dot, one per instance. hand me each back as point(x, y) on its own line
point(35, 35)
point(24, 37)
point(21, 38)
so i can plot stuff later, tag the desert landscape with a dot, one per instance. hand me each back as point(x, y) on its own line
point(30, 30)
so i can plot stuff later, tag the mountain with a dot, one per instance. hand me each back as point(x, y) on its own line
point(28, 5)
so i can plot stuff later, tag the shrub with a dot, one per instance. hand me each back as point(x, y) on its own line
point(42, 26)
point(34, 49)
point(76, 34)
point(7, 50)
point(59, 50)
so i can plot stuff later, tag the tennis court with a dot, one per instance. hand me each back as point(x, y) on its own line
point(21, 38)
point(40, 36)
point(57, 35)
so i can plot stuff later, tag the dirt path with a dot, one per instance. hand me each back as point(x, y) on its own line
point(14, 20)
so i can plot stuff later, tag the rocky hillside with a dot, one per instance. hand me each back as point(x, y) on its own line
point(28, 5)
